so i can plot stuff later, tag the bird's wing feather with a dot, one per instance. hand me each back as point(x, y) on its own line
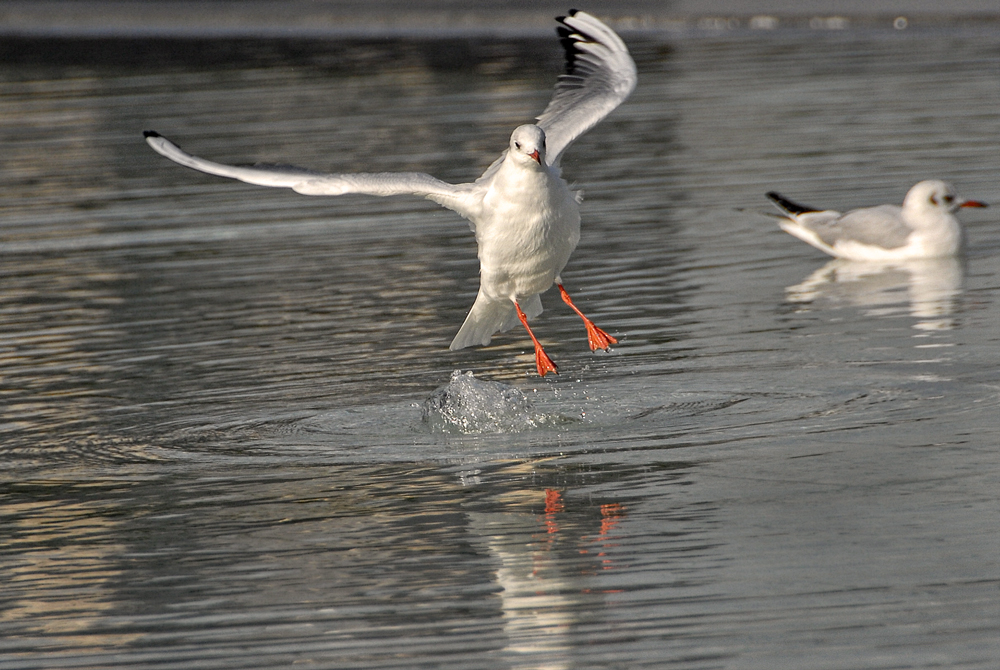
point(460, 197)
point(880, 226)
point(600, 74)
point(789, 206)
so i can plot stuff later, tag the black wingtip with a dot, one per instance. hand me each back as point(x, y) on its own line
point(150, 133)
point(788, 205)
point(568, 37)
point(571, 13)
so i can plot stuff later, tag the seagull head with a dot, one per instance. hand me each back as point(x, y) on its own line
point(934, 194)
point(527, 145)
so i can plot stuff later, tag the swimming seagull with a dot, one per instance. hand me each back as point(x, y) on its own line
point(924, 227)
point(525, 217)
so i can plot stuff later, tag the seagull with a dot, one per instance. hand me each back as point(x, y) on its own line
point(924, 227)
point(523, 213)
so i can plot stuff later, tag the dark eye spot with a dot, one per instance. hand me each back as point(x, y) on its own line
point(517, 145)
point(934, 200)
point(949, 199)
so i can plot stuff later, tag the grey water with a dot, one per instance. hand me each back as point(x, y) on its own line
point(222, 441)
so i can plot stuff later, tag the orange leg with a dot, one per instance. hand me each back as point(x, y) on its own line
point(596, 338)
point(542, 360)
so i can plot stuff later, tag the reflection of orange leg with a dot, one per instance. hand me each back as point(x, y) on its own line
point(596, 338)
point(553, 501)
point(542, 360)
point(553, 505)
point(611, 514)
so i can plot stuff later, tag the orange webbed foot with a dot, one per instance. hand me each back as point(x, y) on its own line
point(597, 338)
point(544, 363)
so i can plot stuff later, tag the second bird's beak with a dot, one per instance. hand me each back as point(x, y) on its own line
point(534, 154)
point(973, 203)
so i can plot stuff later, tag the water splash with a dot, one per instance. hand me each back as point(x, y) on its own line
point(472, 406)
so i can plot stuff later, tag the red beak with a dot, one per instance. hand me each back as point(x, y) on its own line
point(973, 203)
point(534, 154)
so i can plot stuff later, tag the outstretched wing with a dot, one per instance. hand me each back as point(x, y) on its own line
point(600, 74)
point(458, 197)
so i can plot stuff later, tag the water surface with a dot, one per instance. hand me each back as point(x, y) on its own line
point(214, 452)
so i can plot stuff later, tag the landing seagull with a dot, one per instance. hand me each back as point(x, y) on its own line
point(924, 227)
point(525, 217)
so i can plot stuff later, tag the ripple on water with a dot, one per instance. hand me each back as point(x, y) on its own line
point(470, 406)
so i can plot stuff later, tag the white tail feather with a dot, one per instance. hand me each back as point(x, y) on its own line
point(489, 316)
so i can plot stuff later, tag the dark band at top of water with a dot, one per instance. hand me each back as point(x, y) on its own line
point(445, 18)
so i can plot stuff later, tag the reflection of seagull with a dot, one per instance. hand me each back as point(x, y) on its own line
point(927, 289)
point(924, 227)
point(525, 217)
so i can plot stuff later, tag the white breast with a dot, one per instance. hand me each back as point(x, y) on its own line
point(531, 227)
